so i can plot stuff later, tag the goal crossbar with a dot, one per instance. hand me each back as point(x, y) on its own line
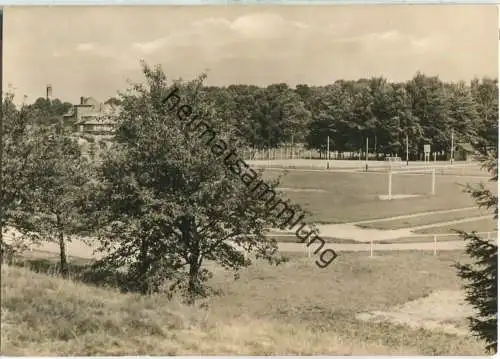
point(432, 171)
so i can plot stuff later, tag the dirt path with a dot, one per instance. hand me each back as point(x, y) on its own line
point(78, 248)
point(352, 231)
point(444, 310)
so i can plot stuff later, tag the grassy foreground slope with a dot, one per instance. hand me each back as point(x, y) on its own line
point(295, 308)
point(44, 315)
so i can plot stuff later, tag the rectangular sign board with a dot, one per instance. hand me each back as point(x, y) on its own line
point(427, 148)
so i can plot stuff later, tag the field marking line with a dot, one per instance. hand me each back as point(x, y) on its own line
point(413, 215)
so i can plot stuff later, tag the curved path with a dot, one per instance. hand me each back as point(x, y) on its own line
point(77, 248)
point(81, 250)
point(363, 236)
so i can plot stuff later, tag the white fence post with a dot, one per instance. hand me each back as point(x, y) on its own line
point(435, 244)
point(433, 181)
point(389, 192)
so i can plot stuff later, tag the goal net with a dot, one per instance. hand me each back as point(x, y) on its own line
point(410, 183)
point(392, 163)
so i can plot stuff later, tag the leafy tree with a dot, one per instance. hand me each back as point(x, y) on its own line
point(481, 276)
point(430, 104)
point(485, 95)
point(50, 211)
point(113, 101)
point(327, 119)
point(172, 193)
point(18, 145)
point(463, 112)
point(46, 111)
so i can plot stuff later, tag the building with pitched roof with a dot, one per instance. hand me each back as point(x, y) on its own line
point(91, 116)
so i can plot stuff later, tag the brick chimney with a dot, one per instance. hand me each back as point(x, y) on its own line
point(82, 99)
point(48, 92)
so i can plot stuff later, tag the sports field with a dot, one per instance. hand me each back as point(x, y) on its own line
point(347, 205)
point(339, 197)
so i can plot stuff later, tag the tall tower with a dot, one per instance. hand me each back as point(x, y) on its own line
point(49, 92)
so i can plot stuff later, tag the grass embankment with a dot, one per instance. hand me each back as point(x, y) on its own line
point(482, 225)
point(295, 308)
point(425, 219)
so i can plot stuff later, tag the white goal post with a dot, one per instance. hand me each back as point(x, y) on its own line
point(432, 171)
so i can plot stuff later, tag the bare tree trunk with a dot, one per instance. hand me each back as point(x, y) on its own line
point(194, 281)
point(191, 239)
point(142, 280)
point(63, 263)
point(62, 255)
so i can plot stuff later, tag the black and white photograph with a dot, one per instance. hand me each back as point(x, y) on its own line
point(253, 180)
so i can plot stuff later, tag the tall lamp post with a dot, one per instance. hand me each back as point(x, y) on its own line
point(407, 148)
point(452, 149)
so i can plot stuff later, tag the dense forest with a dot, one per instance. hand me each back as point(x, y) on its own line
point(425, 109)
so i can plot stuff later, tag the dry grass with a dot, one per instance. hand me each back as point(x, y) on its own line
point(294, 308)
point(43, 315)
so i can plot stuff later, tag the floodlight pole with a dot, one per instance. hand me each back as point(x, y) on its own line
point(433, 181)
point(327, 151)
point(452, 152)
point(407, 149)
point(367, 150)
point(389, 192)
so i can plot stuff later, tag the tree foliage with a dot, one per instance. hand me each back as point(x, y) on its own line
point(42, 172)
point(18, 145)
point(481, 276)
point(171, 199)
point(425, 109)
point(51, 210)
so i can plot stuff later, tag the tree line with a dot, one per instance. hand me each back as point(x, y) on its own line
point(424, 109)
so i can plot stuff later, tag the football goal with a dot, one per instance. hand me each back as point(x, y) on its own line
point(410, 183)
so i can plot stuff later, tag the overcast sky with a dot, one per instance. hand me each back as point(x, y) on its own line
point(92, 51)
